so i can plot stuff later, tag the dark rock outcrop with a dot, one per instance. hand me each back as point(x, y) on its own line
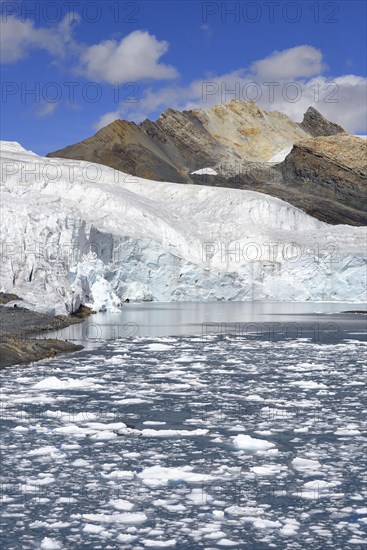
point(316, 125)
point(6, 297)
point(332, 168)
point(18, 342)
point(18, 352)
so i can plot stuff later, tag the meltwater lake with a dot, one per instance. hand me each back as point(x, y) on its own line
point(191, 426)
point(320, 320)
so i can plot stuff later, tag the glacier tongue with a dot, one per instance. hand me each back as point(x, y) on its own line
point(75, 232)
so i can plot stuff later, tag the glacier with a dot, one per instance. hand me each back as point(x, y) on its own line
point(74, 232)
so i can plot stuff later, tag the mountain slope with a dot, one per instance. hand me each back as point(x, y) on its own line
point(242, 145)
point(180, 143)
point(71, 240)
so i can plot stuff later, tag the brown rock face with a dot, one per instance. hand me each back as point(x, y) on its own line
point(324, 175)
point(316, 125)
point(180, 143)
point(334, 169)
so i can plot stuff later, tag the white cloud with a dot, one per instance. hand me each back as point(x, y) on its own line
point(341, 99)
point(18, 38)
point(135, 57)
point(47, 109)
point(296, 73)
point(107, 118)
point(298, 62)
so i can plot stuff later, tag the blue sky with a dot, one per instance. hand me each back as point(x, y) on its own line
point(92, 62)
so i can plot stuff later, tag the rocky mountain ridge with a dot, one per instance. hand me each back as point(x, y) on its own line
point(246, 147)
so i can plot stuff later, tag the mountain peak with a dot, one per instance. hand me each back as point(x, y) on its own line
point(315, 124)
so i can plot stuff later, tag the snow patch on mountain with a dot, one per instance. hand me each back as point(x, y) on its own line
point(206, 171)
point(75, 232)
point(280, 156)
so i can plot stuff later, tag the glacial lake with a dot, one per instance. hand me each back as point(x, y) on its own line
point(318, 320)
point(216, 425)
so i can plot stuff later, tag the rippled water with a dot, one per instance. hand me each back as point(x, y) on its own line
point(212, 441)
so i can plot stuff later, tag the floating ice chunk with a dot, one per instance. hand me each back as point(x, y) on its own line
point(317, 488)
point(73, 429)
point(104, 436)
point(249, 443)
point(214, 534)
point(50, 544)
point(309, 384)
point(132, 401)
point(110, 426)
point(358, 541)
point(54, 383)
point(131, 517)
point(159, 543)
point(149, 432)
point(72, 416)
point(126, 538)
point(127, 517)
point(120, 474)
point(48, 450)
point(120, 504)
point(305, 464)
point(159, 475)
point(266, 470)
point(46, 480)
point(80, 462)
point(199, 496)
point(349, 430)
point(158, 347)
point(91, 528)
point(289, 529)
point(266, 524)
point(254, 397)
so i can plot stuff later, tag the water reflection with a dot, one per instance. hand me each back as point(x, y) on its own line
point(319, 321)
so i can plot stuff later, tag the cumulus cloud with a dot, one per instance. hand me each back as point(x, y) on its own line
point(19, 37)
point(341, 99)
point(298, 62)
point(135, 57)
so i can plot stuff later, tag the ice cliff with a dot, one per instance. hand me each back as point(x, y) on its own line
point(75, 232)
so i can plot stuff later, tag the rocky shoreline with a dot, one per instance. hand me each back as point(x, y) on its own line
point(19, 326)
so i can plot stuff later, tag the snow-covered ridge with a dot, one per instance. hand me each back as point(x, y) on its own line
point(77, 232)
point(13, 147)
